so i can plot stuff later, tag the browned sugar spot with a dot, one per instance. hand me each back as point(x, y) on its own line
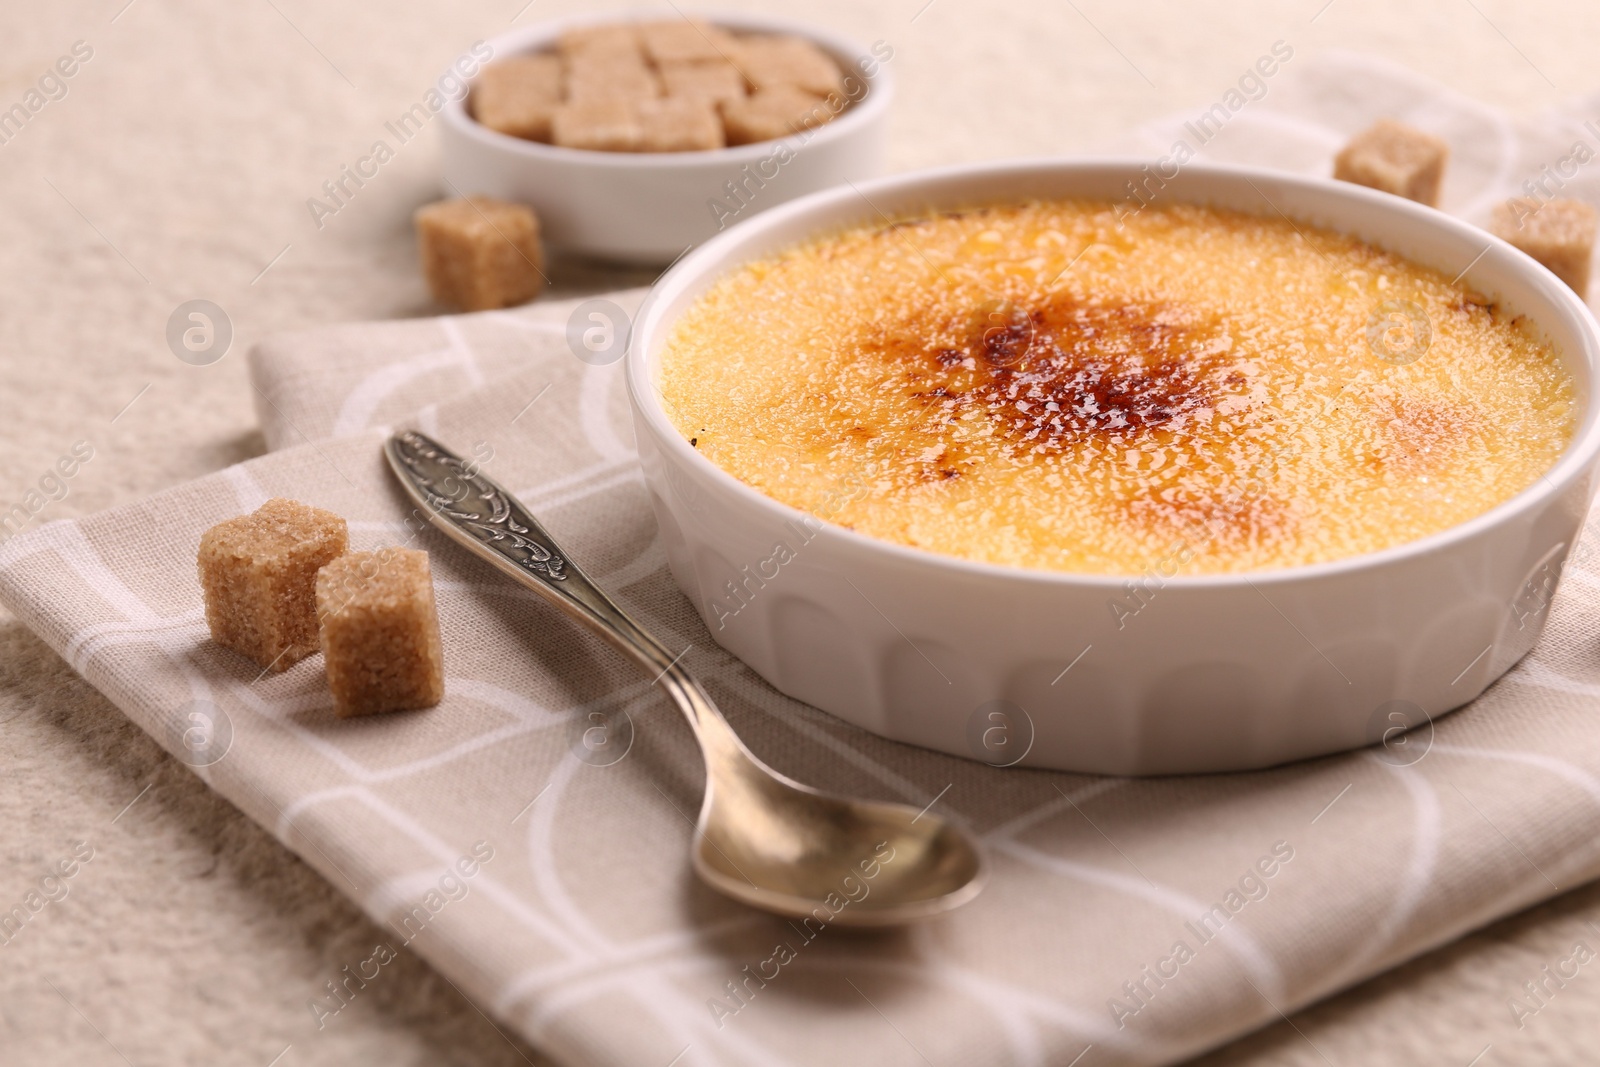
point(1412, 434)
point(1066, 369)
point(1204, 522)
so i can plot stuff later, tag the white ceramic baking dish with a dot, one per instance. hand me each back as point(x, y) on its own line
point(648, 207)
point(1214, 673)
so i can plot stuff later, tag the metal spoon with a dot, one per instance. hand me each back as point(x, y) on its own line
point(762, 838)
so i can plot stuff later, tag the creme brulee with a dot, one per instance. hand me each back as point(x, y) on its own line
point(1037, 386)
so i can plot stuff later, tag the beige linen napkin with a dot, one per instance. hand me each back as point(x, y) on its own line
point(1128, 921)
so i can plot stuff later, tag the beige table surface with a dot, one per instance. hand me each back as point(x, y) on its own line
point(178, 165)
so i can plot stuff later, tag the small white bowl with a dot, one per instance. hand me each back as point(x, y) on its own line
point(1215, 673)
point(648, 207)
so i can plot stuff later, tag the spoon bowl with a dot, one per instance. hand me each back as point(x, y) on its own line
point(795, 851)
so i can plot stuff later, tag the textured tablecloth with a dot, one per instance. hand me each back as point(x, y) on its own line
point(1138, 920)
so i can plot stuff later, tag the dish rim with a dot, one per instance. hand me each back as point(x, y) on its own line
point(1575, 461)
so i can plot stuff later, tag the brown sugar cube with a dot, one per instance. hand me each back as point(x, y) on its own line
point(772, 113)
point(480, 253)
point(593, 77)
point(685, 41)
point(616, 39)
point(716, 82)
point(380, 632)
point(1396, 159)
point(259, 574)
point(677, 125)
point(1558, 233)
point(599, 126)
point(775, 61)
point(518, 96)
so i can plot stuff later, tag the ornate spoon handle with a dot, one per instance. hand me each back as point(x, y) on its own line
point(476, 512)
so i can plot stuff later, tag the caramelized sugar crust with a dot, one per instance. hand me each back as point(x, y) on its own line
point(1040, 386)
